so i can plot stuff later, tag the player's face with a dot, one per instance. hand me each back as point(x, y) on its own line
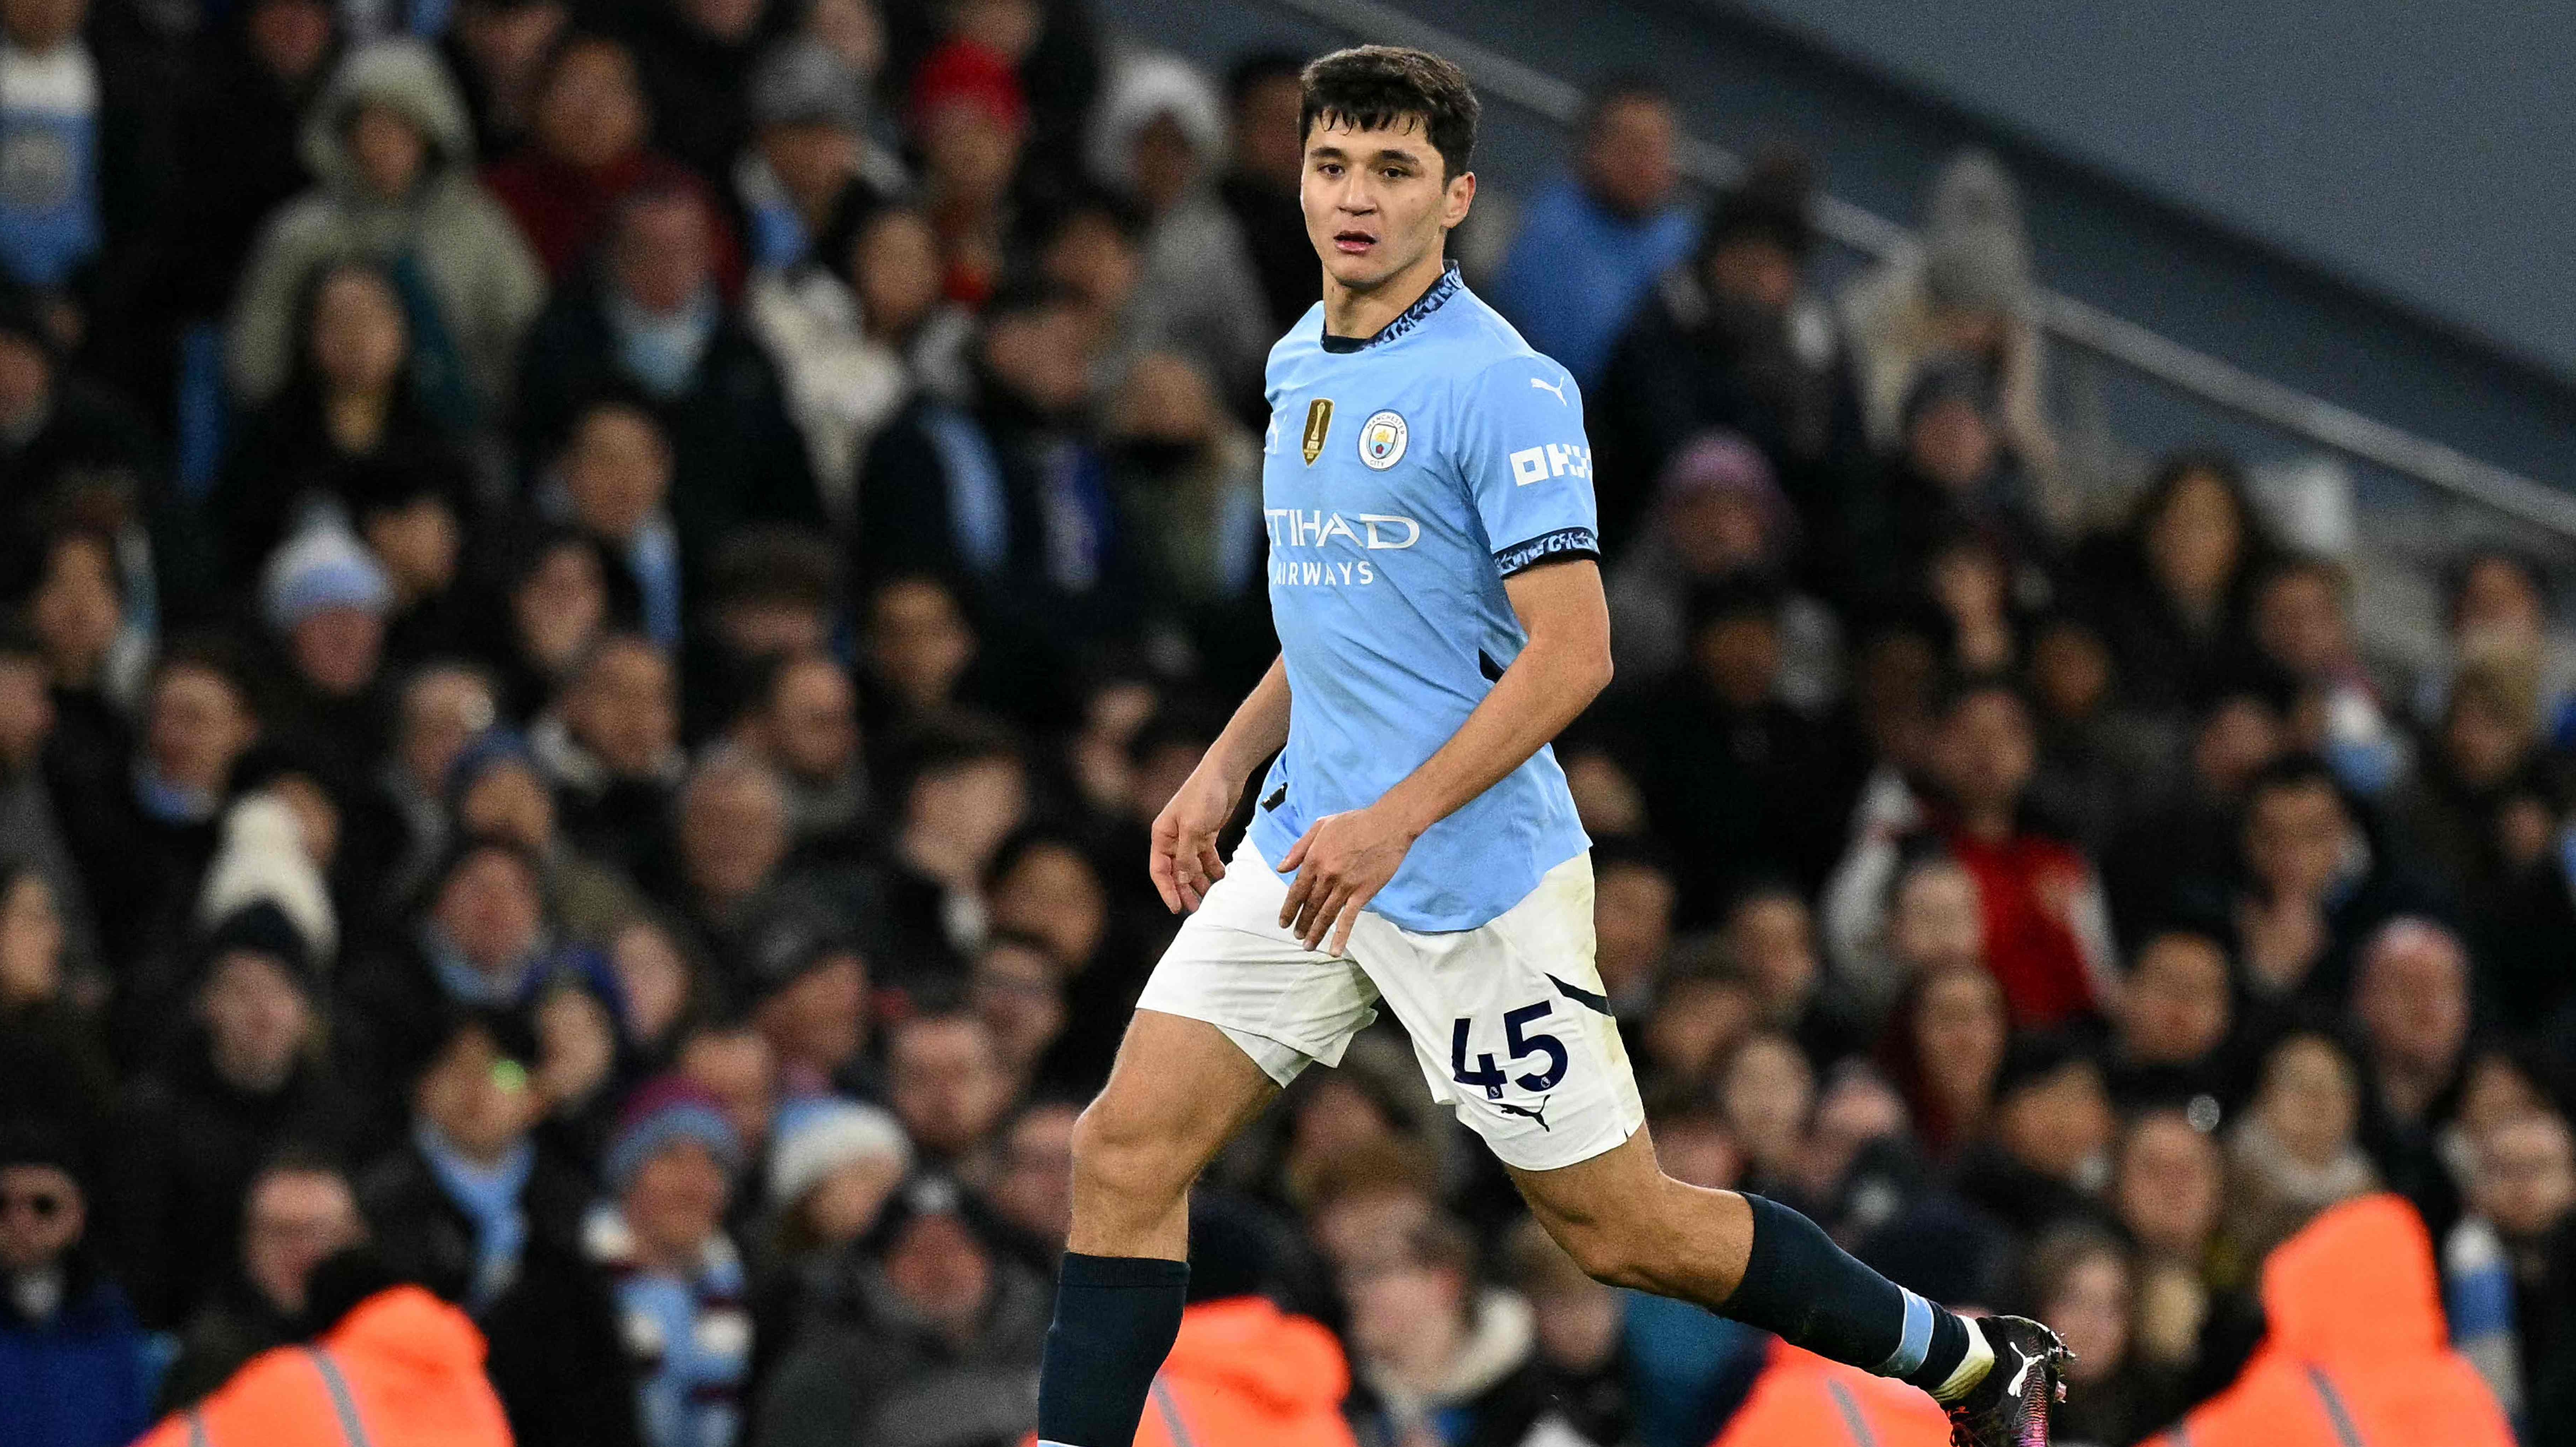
point(1376, 201)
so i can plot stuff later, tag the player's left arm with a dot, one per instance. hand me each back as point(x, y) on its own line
point(1530, 475)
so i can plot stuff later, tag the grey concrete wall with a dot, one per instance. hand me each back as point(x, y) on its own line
point(2427, 151)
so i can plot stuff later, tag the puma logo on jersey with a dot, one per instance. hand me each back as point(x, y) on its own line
point(1539, 1114)
point(1557, 387)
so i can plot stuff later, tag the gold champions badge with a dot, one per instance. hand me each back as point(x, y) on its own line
point(1319, 420)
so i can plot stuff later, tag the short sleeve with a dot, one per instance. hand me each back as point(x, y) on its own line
point(1527, 465)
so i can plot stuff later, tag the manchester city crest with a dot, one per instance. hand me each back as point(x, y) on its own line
point(1382, 440)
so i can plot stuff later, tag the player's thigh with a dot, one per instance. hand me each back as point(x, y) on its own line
point(1511, 1027)
point(1179, 1091)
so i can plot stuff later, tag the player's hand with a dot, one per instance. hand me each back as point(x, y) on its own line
point(1341, 864)
point(1184, 860)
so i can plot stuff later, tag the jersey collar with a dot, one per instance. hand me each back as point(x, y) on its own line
point(1431, 300)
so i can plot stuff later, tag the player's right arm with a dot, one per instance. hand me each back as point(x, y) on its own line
point(1184, 861)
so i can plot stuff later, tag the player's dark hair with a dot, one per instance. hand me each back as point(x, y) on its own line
point(1373, 87)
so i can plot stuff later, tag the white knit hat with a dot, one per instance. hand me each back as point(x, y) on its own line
point(813, 1137)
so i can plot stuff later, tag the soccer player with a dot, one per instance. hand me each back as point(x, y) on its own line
point(1434, 577)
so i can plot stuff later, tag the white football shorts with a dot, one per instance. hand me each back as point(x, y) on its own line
point(1509, 1020)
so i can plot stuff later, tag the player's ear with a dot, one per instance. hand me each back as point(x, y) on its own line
point(1459, 195)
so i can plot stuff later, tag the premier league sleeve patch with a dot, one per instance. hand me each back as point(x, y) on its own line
point(1382, 440)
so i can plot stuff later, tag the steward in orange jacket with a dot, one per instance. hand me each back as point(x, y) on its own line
point(2355, 1354)
point(1244, 1372)
point(1805, 1400)
point(402, 1369)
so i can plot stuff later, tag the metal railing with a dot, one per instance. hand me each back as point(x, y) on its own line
point(2196, 373)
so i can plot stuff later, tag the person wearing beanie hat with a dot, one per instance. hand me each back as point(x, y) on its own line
point(1718, 510)
point(71, 1354)
point(679, 1282)
point(833, 1164)
point(1159, 138)
point(933, 1337)
point(810, 153)
point(1968, 286)
point(325, 596)
point(267, 858)
point(972, 121)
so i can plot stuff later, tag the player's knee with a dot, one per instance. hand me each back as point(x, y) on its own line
point(1114, 1159)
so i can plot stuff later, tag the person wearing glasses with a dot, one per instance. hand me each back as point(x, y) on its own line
point(72, 1369)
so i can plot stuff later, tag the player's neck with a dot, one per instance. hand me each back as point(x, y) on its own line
point(1352, 312)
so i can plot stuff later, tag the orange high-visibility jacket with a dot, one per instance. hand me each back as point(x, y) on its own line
point(404, 1369)
point(1803, 1400)
point(1245, 1372)
point(2356, 1354)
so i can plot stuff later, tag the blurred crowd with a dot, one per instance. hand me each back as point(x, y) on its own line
point(599, 599)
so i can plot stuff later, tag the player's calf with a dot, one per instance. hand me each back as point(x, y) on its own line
point(1628, 1224)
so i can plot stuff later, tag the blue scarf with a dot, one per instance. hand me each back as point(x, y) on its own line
point(691, 1386)
point(489, 1196)
point(167, 803)
point(461, 982)
point(662, 352)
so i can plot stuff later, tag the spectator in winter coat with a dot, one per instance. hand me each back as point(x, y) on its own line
point(390, 141)
point(1735, 339)
point(73, 1367)
point(585, 154)
point(696, 57)
point(678, 1279)
point(245, 1079)
point(651, 322)
point(51, 1065)
point(299, 1212)
point(2498, 1265)
point(1445, 1358)
point(2047, 931)
point(144, 828)
point(1968, 288)
point(2173, 590)
point(610, 746)
point(931, 1339)
point(1159, 137)
point(811, 158)
point(473, 1208)
point(1718, 514)
point(1591, 243)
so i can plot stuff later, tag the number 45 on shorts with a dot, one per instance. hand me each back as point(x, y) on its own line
point(1489, 1077)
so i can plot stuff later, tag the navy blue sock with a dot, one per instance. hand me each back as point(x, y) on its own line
point(1813, 1294)
point(1115, 1318)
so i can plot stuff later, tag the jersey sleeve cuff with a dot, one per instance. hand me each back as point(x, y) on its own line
point(1561, 546)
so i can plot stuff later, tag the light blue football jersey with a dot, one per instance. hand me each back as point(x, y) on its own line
point(1403, 479)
